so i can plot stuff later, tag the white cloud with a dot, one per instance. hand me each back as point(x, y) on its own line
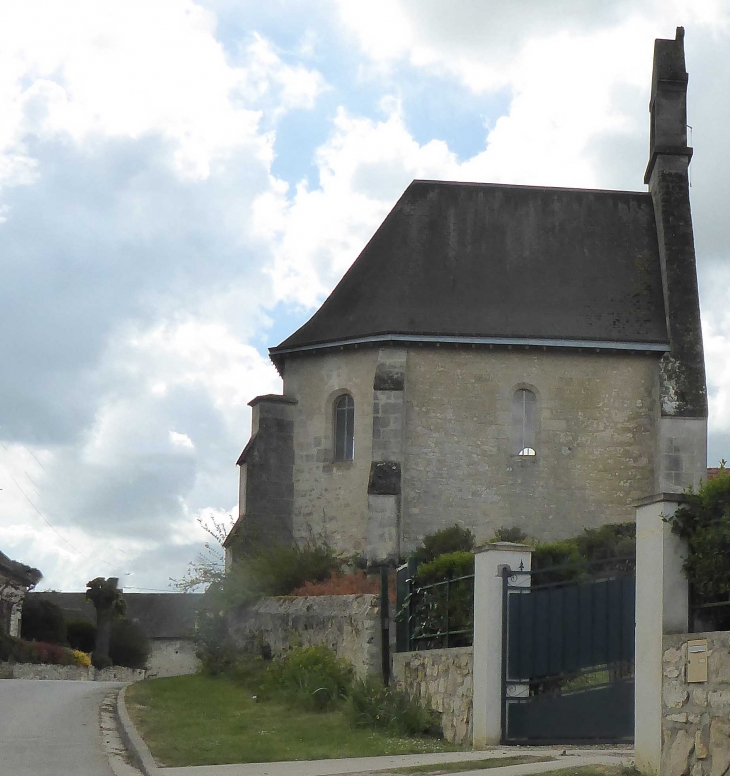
point(88, 67)
point(363, 168)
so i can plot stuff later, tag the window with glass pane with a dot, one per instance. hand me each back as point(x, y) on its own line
point(344, 428)
point(524, 405)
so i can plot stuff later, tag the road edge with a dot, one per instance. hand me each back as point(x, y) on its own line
point(136, 747)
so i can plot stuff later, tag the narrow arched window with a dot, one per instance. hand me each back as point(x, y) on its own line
point(524, 405)
point(344, 410)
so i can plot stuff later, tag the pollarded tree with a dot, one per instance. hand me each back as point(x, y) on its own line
point(109, 603)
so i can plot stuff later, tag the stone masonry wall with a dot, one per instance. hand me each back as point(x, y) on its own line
point(331, 497)
point(696, 717)
point(72, 673)
point(596, 420)
point(347, 624)
point(443, 679)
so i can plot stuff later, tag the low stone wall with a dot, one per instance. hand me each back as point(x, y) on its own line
point(696, 717)
point(347, 624)
point(73, 673)
point(443, 679)
point(172, 657)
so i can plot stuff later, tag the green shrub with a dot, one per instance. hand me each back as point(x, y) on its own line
point(128, 644)
point(100, 661)
point(446, 541)
point(281, 570)
point(81, 635)
point(311, 677)
point(21, 651)
point(447, 566)
point(442, 609)
point(42, 621)
point(704, 522)
point(370, 704)
point(6, 647)
point(561, 553)
point(510, 534)
point(214, 651)
point(616, 540)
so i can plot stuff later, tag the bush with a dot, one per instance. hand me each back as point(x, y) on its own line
point(446, 541)
point(281, 570)
point(704, 522)
point(448, 566)
point(81, 635)
point(21, 651)
point(311, 677)
point(372, 705)
point(81, 658)
point(214, 651)
point(42, 621)
point(616, 540)
point(443, 609)
point(128, 645)
point(510, 534)
point(561, 553)
point(100, 661)
point(341, 584)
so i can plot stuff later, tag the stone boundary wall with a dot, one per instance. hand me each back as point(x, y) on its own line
point(347, 624)
point(443, 679)
point(73, 673)
point(696, 717)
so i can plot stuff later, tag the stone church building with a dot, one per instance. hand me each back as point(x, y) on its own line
point(496, 356)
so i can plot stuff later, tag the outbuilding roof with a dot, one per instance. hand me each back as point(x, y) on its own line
point(495, 262)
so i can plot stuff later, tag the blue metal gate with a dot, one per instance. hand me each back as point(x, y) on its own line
point(568, 654)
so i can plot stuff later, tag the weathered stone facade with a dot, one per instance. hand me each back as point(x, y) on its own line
point(597, 416)
point(347, 624)
point(696, 716)
point(595, 437)
point(442, 679)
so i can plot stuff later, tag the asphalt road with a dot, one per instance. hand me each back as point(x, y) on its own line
point(51, 728)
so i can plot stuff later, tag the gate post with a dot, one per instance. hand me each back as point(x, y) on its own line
point(489, 561)
point(662, 606)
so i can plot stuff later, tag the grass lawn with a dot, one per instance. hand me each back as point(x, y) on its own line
point(204, 720)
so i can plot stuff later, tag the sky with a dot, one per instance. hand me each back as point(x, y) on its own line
point(182, 183)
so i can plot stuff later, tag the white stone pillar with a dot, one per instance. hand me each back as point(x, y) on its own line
point(489, 561)
point(662, 606)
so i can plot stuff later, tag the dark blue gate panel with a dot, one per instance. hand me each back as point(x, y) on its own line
point(562, 629)
point(601, 714)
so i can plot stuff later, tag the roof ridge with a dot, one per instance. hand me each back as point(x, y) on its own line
point(491, 184)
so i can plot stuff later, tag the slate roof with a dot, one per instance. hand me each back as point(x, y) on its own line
point(161, 615)
point(505, 262)
point(24, 575)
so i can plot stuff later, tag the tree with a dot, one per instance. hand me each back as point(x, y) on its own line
point(109, 603)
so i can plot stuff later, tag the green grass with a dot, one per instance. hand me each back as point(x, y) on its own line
point(473, 765)
point(204, 720)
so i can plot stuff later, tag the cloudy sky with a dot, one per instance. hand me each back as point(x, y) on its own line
point(182, 183)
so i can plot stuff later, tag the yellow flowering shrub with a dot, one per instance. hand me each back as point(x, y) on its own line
point(82, 658)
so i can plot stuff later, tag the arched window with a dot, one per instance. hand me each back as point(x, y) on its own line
point(344, 411)
point(524, 405)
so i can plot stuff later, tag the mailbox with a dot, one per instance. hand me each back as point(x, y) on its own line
point(697, 660)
